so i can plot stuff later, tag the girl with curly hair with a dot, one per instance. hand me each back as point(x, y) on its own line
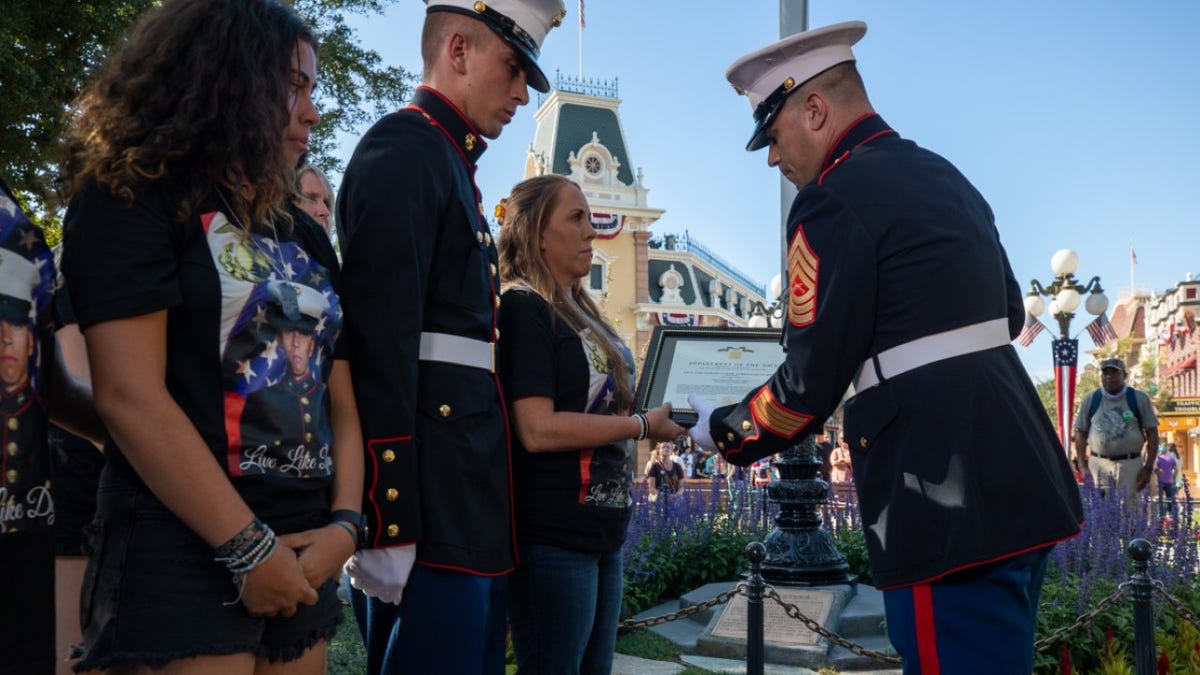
point(200, 288)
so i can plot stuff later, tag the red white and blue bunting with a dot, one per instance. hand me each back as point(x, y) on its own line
point(678, 319)
point(607, 225)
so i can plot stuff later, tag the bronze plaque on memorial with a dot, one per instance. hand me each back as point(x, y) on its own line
point(778, 627)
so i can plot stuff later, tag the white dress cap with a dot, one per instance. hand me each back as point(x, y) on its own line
point(766, 76)
point(522, 23)
point(18, 278)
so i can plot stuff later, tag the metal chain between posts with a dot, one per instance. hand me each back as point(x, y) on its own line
point(720, 599)
point(1083, 621)
point(794, 612)
point(1182, 610)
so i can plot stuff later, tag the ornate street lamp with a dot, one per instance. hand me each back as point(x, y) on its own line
point(772, 316)
point(1065, 293)
point(799, 552)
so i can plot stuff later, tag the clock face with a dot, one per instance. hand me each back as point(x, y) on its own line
point(592, 165)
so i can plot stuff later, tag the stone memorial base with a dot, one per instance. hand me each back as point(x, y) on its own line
point(786, 641)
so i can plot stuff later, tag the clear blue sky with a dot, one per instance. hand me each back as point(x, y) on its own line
point(1073, 118)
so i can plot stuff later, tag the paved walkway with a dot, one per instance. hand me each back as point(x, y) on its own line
point(632, 665)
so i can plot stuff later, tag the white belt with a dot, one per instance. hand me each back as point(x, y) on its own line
point(937, 347)
point(457, 349)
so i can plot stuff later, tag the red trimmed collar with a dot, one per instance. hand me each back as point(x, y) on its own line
point(465, 137)
point(860, 132)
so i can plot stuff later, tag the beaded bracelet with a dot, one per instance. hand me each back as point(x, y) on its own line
point(645, 423)
point(247, 549)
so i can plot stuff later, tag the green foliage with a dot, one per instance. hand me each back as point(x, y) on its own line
point(683, 564)
point(647, 645)
point(1114, 660)
point(1047, 395)
point(346, 653)
point(48, 50)
point(1091, 649)
point(852, 542)
point(356, 87)
point(1182, 647)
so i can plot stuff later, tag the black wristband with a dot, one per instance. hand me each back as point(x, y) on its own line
point(352, 517)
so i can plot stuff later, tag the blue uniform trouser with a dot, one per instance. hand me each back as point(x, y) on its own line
point(979, 621)
point(448, 623)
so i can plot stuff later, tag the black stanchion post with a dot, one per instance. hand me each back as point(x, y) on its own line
point(756, 553)
point(1142, 590)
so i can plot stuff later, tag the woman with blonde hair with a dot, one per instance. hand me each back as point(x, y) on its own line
point(314, 195)
point(569, 380)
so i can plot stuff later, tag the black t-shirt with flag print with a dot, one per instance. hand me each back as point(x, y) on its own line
point(247, 317)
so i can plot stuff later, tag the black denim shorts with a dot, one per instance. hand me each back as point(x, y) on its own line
point(153, 594)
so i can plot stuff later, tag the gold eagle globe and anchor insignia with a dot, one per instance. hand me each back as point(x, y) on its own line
point(803, 265)
point(735, 353)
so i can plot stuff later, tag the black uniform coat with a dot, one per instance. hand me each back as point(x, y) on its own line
point(418, 256)
point(955, 462)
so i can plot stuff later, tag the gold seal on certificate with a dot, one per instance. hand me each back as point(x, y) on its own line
point(722, 365)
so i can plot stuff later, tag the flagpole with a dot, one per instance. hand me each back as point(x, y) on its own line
point(581, 41)
point(1132, 262)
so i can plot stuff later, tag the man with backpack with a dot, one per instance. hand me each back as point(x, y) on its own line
point(1116, 432)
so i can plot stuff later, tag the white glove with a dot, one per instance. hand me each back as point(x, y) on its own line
point(700, 433)
point(382, 572)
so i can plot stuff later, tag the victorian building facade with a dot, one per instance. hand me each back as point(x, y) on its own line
point(1173, 344)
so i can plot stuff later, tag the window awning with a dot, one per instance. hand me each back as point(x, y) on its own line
point(1186, 364)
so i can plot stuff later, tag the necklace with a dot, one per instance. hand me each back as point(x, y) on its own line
point(274, 258)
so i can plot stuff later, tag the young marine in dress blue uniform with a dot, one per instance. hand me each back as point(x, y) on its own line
point(422, 296)
point(957, 532)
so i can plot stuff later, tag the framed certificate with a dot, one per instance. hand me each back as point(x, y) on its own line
point(722, 365)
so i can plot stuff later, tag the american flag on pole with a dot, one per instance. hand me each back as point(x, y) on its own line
point(1066, 355)
point(1032, 327)
point(1102, 331)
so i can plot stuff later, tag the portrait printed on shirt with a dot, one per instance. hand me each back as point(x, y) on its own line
point(606, 472)
point(26, 289)
point(279, 321)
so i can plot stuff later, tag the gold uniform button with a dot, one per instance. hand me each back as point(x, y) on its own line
point(746, 425)
point(393, 494)
point(389, 456)
point(488, 238)
point(393, 530)
point(730, 436)
point(303, 400)
point(493, 268)
point(721, 445)
point(308, 437)
point(497, 334)
point(479, 237)
point(497, 301)
point(12, 449)
point(11, 475)
point(863, 441)
point(13, 423)
point(307, 418)
point(444, 410)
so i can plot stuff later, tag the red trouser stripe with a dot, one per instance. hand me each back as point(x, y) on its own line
point(923, 623)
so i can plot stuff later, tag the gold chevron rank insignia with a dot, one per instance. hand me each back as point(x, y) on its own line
point(802, 280)
point(777, 419)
